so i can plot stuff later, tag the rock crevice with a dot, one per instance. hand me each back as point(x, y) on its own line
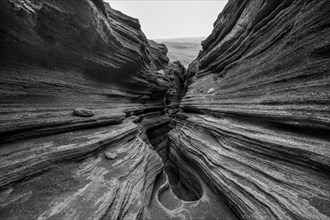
point(96, 123)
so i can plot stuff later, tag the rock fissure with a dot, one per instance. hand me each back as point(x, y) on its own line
point(97, 123)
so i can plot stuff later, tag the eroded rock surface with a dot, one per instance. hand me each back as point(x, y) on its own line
point(57, 56)
point(260, 138)
point(66, 176)
point(249, 140)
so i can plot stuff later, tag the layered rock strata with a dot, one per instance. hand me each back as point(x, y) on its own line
point(57, 56)
point(67, 176)
point(79, 83)
point(159, 54)
point(255, 119)
point(88, 105)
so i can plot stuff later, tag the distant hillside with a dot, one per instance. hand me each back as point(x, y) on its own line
point(183, 49)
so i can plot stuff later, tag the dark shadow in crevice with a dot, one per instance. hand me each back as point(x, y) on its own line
point(180, 187)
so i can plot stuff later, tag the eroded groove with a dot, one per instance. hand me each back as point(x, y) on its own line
point(97, 123)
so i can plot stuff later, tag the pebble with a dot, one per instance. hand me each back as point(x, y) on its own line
point(83, 112)
point(211, 90)
point(110, 156)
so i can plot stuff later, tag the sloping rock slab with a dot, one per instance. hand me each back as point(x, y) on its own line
point(80, 183)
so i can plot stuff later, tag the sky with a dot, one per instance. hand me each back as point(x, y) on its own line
point(161, 19)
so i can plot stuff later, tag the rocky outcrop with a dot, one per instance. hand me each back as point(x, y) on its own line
point(57, 56)
point(260, 137)
point(97, 124)
point(79, 81)
point(67, 176)
point(158, 52)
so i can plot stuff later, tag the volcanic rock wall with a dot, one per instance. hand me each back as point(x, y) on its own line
point(250, 142)
point(156, 125)
point(256, 115)
point(57, 56)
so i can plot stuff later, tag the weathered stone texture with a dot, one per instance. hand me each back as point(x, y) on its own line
point(260, 138)
point(60, 55)
point(60, 59)
point(242, 134)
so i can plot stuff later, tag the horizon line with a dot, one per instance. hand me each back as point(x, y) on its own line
point(167, 0)
point(165, 38)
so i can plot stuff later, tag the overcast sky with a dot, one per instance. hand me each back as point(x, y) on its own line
point(172, 18)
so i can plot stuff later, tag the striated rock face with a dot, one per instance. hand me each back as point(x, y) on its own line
point(67, 176)
point(97, 124)
point(158, 52)
point(260, 138)
point(57, 56)
point(61, 60)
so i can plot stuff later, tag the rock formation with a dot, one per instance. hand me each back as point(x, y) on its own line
point(60, 59)
point(261, 138)
point(96, 123)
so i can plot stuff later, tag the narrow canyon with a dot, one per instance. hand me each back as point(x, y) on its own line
point(97, 123)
